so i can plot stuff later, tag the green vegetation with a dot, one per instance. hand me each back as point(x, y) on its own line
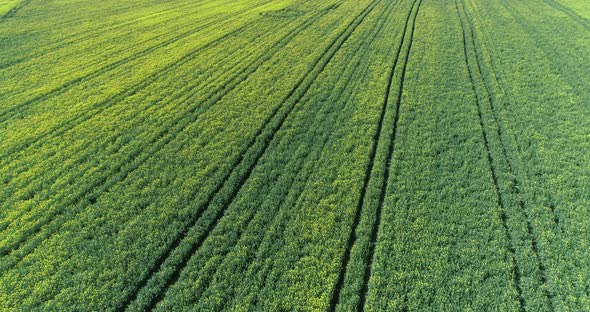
point(379, 155)
point(9, 7)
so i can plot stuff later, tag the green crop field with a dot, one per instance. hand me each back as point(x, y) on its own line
point(295, 155)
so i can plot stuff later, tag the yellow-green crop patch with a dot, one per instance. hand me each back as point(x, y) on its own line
point(7, 7)
point(295, 155)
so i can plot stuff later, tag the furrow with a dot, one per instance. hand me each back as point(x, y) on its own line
point(85, 35)
point(498, 77)
point(14, 10)
point(569, 12)
point(389, 158)
point(259, 144)
point(61, 129)
point(575, 75)
point(366, 43)
point(14, 111)
point(109, 104)
point(278, 222)
point(157, 137)
point(499, 132)
point(164, 138)
point(499, 198)
point(352, 237)
point(184, 96)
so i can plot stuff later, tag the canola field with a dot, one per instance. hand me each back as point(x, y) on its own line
point(295, 155)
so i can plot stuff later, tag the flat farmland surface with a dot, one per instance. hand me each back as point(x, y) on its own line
point(295, 155)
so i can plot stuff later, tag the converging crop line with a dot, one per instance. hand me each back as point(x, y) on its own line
point(61, 89)
point(543, 42)
point(293, 97)
point(12, 12)
point(325, 137)
point(277, 218)
point(165, 138)
point(215, 81)
point(84, 36)
point(233, 73)
point(132, 160)
point(96, 109)
point(62, 128)
point(352, 237)
point(501, 84)
point(499, 197)
point(569, 12)
point(389, 158)
point(499, 132)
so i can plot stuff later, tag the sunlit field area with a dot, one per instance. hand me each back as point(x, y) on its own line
point(295, 155)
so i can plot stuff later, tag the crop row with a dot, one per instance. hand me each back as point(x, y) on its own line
point(337, 155)
point(206, 157)
point(92, 159)
point(351, 287)
point(544, 122)
point(82, 98)
point(66, 33)
point(52, 75)
point(442, 243)
point(271, 195)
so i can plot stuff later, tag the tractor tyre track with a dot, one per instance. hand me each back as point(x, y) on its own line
point(298, 91)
